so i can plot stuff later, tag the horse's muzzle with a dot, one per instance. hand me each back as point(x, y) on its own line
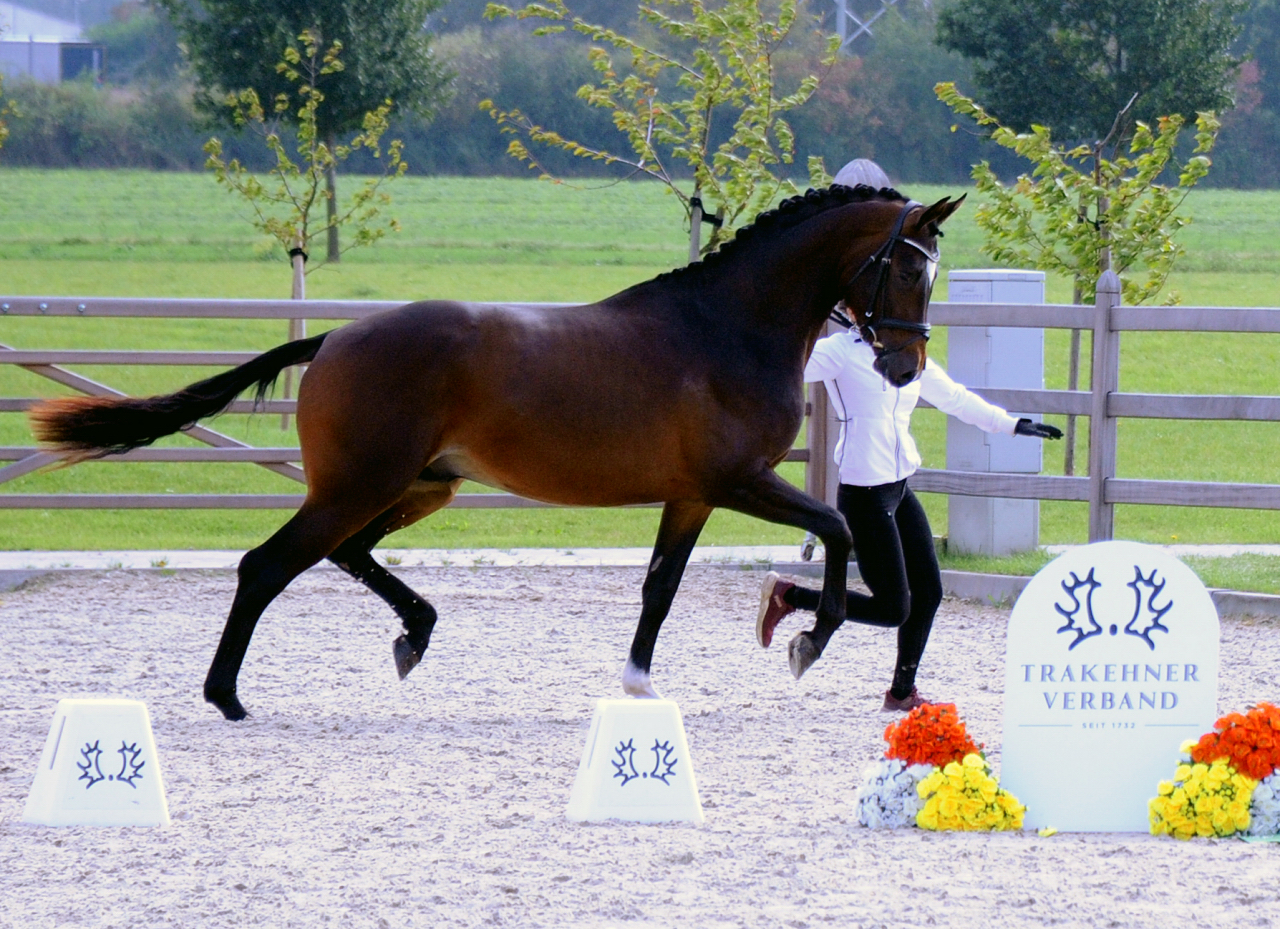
point(899, 368)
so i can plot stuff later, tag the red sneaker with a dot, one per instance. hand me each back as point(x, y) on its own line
point(772, 607)
point(905, 705)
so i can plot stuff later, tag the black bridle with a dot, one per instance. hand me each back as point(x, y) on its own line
point(874, 318)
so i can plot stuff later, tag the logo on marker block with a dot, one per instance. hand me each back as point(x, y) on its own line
point(99, 768)
point(1111, 662)
point(636, 766)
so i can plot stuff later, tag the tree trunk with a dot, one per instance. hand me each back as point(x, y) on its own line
point(331, 202)
point(1073, 364)
point(297, 327)
point(695, 227)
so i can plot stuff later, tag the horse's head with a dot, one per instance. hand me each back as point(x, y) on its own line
point(887, 296)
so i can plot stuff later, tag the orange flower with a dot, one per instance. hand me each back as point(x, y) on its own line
point(1250, 741)
point(931, 734)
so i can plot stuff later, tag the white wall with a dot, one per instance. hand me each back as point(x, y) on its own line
point(39, 59)
point(22, 22)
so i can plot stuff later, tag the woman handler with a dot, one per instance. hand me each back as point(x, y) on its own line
point(892, 540)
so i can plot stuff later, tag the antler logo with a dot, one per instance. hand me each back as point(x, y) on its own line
point(1071, 587)
point(664, 762)
point(1146, 617)
point(91, 766)
point(1148, 612)
point(89, 770)
point(625, 764)
point(129, 763)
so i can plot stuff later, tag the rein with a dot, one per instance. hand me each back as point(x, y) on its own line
point(882, 261)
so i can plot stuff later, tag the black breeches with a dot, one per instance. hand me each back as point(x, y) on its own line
point(893, 544)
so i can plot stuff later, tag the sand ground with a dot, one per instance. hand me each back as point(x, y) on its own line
point(351, 798)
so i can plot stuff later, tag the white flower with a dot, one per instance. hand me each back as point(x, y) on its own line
point(1264, 811)
point(888, 797)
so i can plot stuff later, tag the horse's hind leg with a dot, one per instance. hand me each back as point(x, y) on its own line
point(681, 524)
point(353, 556)
point(769, 497)
point(264, 572)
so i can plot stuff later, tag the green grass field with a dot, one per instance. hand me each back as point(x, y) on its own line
point(136, 233)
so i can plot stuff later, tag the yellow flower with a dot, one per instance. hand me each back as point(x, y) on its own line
point(1205, 800)
point(965, 796)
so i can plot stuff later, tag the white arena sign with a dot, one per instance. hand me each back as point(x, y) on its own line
point(636, 766)
point(1111, 663)
point(99, 768)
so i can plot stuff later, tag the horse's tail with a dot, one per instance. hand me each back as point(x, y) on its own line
point(91, 427)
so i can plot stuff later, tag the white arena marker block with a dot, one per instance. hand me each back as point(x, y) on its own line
point(99, 768)
point(636, 766)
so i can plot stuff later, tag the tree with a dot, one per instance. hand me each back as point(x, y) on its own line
point(1089, 208)
point(283, 210)
point(282, 206)
point(141, 46)
point(6, 109)
point(235, 44)
point(1260, 39)
point(1072, 65)
point(1247, 151)
point(716, 63)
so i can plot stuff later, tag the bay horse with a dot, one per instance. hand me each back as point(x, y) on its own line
point(685, 390)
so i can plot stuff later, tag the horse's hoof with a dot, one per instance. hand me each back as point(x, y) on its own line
point(636, 683)
point(407, 657)
point(801, 654)
point(227, 702)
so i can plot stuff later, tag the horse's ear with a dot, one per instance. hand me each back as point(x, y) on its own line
point(934, 216)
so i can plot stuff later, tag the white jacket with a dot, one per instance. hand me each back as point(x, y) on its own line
point(875, 444)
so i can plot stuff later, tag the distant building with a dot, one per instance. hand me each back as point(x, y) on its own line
point(43, 48)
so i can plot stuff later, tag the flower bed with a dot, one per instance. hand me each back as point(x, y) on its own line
point(934, 776)
point(1227, 782)
point(964, 796)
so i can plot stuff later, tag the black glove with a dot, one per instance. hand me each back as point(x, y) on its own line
point(1039, 430)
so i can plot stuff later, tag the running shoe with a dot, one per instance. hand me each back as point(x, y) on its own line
point(772, 607)
point(905, 705)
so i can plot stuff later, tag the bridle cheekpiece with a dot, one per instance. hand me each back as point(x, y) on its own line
point(881, 260)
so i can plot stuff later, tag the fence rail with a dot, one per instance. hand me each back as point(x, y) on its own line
point(1104, 404)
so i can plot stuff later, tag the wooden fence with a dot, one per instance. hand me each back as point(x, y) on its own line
point(1103, 404)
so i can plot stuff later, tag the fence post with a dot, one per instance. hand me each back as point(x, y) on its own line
point(819, 464)
point(821, 477)
point(1105, 381)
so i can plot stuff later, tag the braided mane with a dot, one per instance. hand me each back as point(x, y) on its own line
point(786, 215)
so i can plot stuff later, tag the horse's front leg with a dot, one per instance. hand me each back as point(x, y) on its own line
point(767, 496)
point(681, 524)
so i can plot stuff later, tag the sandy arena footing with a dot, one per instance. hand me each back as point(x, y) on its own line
point(351, 798)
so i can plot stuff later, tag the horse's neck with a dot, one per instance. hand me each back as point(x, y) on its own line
point(785, 290)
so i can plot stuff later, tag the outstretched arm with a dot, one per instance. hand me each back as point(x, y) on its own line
point(937, 387)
